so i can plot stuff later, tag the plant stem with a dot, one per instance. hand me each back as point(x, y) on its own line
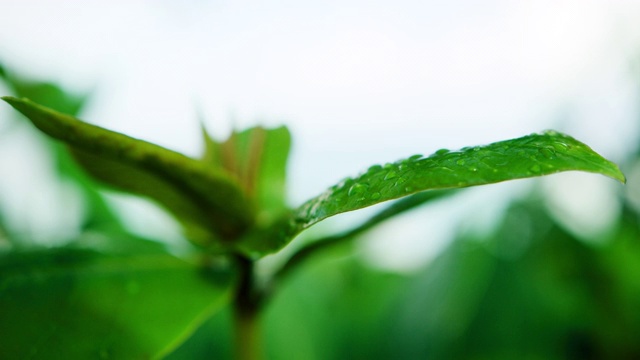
point(246, 315)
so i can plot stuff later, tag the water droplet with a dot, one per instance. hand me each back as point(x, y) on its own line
point(535, 168)
point(473, 168)
point(408, 189)
point(375, 196)
point(551, 133)
point(560, 146)
point(374, 168)
point(357, 189)
point(346, 182)
point(442, 151)
point(476, 148)
point(548, 153)
point(415, 157)
point(390, 175)
point(401, 180)
point(460, 162)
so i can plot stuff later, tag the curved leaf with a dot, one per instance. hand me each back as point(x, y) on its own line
point(44, 93)
point(529, 156)
point(98, 212)
point(72, 304)
point(195, 193)
point(395, 209)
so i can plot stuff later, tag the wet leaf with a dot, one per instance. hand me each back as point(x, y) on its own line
point(529, 156)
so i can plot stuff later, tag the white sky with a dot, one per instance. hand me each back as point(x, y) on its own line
point(358, 82)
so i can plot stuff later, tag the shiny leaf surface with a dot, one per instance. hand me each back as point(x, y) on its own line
point(529, 156)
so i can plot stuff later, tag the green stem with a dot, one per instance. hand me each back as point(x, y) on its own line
point(246, 315)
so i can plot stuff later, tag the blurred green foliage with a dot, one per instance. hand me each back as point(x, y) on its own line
point(529, 289)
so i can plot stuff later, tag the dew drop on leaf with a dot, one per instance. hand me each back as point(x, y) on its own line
point(535, 169)
point(375, 196)
point(357, 189)
point(401, 180)
point(374, 168)
point(559, 146)
point(442, 152)
point(548, 153)
point(390, 175)
point(460, 162)
point(415, 157)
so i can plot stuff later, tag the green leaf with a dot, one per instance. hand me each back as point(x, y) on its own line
point(44, 93)
point(202, 198)
point(73, 304)
point(257, 158)
point(314, 247)
point(529, 156)
point(99, 214)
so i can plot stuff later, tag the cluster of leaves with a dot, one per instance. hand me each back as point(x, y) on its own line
point(131, 297)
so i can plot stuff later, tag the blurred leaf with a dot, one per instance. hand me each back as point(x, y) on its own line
point(74, 304)
point(529, 290)
point(334, 309)
point(99, 215)
point(46, 94)
point(197, 195)
point(212, 340)
point(397, 208)
point(257, 157)
point(529, 156)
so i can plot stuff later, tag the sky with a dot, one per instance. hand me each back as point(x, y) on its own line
point(357, 82)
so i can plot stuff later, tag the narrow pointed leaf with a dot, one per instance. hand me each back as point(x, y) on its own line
point(195, 193)
point(257, 157)
point(73, 304)
point(44, 93)
point(529, 156)
point(98, 212)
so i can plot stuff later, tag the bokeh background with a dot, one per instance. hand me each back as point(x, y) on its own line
point(543, 268)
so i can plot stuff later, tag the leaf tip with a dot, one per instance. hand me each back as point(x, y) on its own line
point(12, 100)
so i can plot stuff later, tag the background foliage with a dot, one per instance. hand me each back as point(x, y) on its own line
point(528, 288)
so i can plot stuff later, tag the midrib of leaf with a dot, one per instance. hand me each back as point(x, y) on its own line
point(217, 194)
point(529, 156)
